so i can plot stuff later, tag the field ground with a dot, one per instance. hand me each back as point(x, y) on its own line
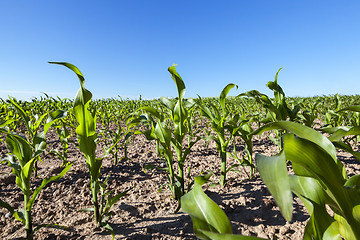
point(145, 213)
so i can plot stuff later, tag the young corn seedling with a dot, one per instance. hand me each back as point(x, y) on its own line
point(87, 140)
point(64, 134)
point(5, 120)
point(112, 138)
point(220, 122)
point(244, 130)
point(354, 120)
point(340, 135)
point(276, 110)
point(32, 123)
point(320, 180)
point(308, 117)
point(171, 133)
point(22, 157)
point(334, 118)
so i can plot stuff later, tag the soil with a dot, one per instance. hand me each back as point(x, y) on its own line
point(146, 213)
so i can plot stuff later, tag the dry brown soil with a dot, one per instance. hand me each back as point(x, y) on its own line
point(145, 213)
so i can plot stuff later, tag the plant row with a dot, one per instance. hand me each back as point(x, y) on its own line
point(176, 126)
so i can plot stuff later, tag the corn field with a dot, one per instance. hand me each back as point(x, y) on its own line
point(243, 165)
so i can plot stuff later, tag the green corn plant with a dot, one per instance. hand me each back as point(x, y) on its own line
point(308, 116)
point(105, 113)
point(244, 130)
point(343, 137)
point(334, 118)
point(4, 122)
point(22, 158)
point(112, 138)
point(353, 119)
point(320, 180)
point(35, 136)
point(277, 109)
point(62, 129)
point(221, 122)
point(87, 141)
point(106, 202)
point(170, 133)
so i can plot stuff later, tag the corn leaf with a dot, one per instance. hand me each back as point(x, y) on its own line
point(314, 159)
point(112, 200)
point(52, 117)
point(25, 176)
point(167, 103)
point(86, 120)
point(21, 112)
point(205, 213)
point(163, 133)
point(178, 81)
point(308, 134)
point(7, 206)
point(332, 232)
point(354, 108)
point(224, 93)
point(20, 147)
point(44, 183)
point(274, 174)
point(153, 112)
point(345, 228)
point(222, 236)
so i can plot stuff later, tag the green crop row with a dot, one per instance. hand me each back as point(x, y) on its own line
point(175, 126)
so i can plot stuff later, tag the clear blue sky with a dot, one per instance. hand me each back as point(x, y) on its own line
point(124, 47)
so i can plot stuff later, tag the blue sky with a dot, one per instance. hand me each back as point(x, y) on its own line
point(124, 48)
